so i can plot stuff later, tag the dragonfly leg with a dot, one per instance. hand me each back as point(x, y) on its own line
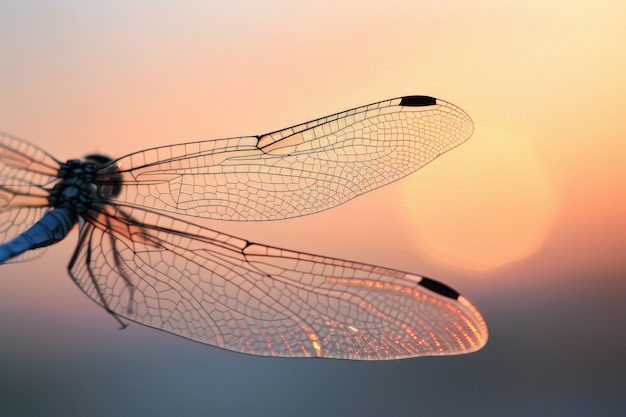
point(84, 239)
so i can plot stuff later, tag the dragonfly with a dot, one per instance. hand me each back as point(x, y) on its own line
point(143, 255)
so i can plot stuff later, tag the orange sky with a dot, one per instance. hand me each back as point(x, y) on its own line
point(543, 176)
point(544, 88)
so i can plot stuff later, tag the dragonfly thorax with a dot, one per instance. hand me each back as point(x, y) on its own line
point(109, 181)
point(76, 189)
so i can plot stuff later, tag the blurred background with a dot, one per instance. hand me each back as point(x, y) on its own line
point(527, 219)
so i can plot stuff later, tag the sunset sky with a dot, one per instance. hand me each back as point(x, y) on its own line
point(527, 219)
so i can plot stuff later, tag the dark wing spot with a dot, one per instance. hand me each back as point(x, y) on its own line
point(439, 288)
point(415, 101)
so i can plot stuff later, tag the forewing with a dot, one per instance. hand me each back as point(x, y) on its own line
point(296, 171)
point(24, 170)
point(223, 291)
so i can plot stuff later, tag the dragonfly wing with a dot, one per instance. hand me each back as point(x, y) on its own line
point(227, 292)
point(24, 170)
point(26, 162)
point(296, 171)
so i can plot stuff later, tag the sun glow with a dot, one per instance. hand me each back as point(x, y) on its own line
point(456, 222)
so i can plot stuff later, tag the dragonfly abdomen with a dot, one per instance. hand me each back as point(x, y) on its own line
point(50, 229)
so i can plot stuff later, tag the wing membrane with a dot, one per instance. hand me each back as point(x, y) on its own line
point(25, 162)
point(295, 171)
point(24, 170)
point(224, 291)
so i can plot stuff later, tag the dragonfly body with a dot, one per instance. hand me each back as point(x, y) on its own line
point(68, 199)
point(52, 228)
point(141, 258)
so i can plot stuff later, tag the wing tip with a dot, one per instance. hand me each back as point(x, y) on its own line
point(418, 101)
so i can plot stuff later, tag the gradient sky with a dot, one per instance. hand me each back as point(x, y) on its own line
point(527, 218)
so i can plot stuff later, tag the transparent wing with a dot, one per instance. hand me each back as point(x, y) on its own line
point(295, 171)
point(223, 291)
point(24, 171)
